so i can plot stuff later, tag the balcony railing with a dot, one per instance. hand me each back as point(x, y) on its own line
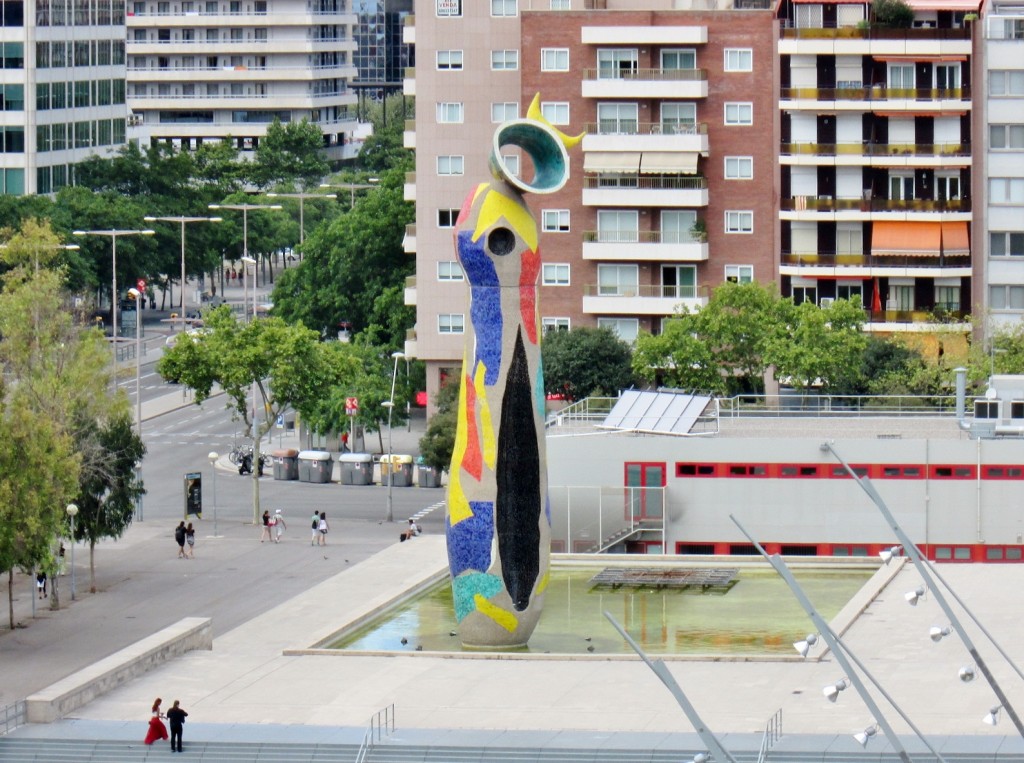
point(647, 75)
point(657, 291)
point(637, 237)
point(876, 93)
point(644, 128)
point(831, 260)
point(828, 204)
point(875, 33)
point(876, 149)
point(645, 182)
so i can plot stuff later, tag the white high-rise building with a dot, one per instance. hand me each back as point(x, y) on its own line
point(212, 69)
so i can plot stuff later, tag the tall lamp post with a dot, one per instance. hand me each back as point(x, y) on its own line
point(246, 262)
point(352, 188)
point(390, 405)
point(182, 219)
point(302, 197)
point(244, 208)
point(213, 456)
point(72, 511)
point(113, 234)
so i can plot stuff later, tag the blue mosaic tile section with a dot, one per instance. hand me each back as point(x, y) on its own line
point(469, 542)
point(465, 587)
point(485, 299)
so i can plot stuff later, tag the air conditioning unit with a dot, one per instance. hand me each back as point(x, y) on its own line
point(826, 301)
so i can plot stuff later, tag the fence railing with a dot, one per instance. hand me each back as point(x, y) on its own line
point(382, 724)
point(814, 405)
point(772, 734)
point(12, 716)
point(589, 519)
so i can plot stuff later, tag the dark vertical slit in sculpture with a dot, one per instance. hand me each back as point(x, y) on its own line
point(518, 504)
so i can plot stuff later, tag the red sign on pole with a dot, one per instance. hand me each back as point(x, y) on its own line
point(141, 284)
point(351, 406)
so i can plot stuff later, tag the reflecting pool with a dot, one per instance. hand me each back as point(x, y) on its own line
point(758, 616)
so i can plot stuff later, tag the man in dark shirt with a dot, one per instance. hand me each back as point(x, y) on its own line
point(176, 719)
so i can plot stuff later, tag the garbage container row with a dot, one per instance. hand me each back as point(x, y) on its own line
point(356, 468)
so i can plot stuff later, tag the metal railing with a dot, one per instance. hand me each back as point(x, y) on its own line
point(382, 724)
point(831, 260)
point(876, 149)
point(639, 237)
point(12, 716)
point(582, 413)
point(611, 182)
point(787, 31)
point(876, 93)
point(830, 204)
point(772, 734)
point(657, 291)
point(815, 405)
point(625, 127)
point(589, 519)
point(647, 75)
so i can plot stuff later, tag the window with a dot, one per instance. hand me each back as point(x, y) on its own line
point(504, 60)
point(739, 273)
point(555, 113)
point(554, 324)
point(451, 323)
point(849, 238)
point(676, 226)
point(625, 328)
point(1006, 136)
point(901, 187)
point(851, 291)
point(947, 76)
point(801, 294)
point(449, 7)
point(679, 281)
point(449, 270)
point(561, 5)
point(555, 220)
point(739, 113)
point(1009, 83)
point(901, 76)
point(503, 112)
point(947, 187)
point(617, 280)
point(511, 162)
point(739, 167)
point(555, 274)
point(617, 226)
point(554, 59)
point(947, 298)
point(446, 218)
point(503, 7)
point(1006, 297)
point(901, 297)
point(617, 118)
point(678, 117)
point(616, 63)
point(449, 60)
point(739, 221)
point(674, 60)
point(1006, 190)
point(1006, 244)
point(449, 113)
point(449, 165)
point(739, 59)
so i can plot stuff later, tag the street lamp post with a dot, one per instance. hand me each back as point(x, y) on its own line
point(72, 511)
point(302, 197)
point(182, 219)
point(352, 188)
point(213, 456)
point(246, 262)
point(113, 234)
point(244, 208)
point(390, 405)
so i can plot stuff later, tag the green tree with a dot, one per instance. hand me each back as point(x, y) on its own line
point(585, 361)
point(107, 494)
point(438, 442)
point(818, 346)
point(285, 365)
point(678, 357)
point(895, 14)
point(293, 152)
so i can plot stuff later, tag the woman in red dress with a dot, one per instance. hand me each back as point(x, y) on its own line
point(157, 730)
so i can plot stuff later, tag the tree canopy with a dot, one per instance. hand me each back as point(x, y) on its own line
point(585, 361)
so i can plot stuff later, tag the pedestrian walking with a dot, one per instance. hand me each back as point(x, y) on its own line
point(41, 584)
point(190, 540)
point(279, 526)
point(266, 527)
point(322, 529)
point(316, 528)
point(156, 729)
point(176, 718)
point(179, 538)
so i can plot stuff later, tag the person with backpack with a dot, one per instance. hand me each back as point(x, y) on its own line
point(316, 528)
point(179, 537)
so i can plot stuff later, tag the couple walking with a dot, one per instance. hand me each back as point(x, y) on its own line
point(182, 536)
point(320, 528)
point(175, 717)
point(273, 526)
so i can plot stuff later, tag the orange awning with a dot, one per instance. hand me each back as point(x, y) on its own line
point(902, 239)
point(955, 242)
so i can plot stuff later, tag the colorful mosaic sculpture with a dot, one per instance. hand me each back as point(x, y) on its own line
point(499, 516)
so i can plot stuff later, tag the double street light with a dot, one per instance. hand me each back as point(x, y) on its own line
point(352, 188)
point(72, 511)
point(244, 209)
point(302, 198)
point(113, 234)
point(390, 405)
point(182, 220)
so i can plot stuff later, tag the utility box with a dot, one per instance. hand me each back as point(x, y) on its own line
point(429, 476)
point(398, 468)
point(315, 466)
point(286, 464)
point(356, 468)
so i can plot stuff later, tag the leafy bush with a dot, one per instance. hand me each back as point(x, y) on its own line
point(895, 14)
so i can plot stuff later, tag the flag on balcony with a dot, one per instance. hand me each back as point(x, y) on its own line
point(876, 298)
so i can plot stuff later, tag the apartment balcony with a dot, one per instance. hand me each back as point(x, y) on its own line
point(251, 46)
point(645, 83)
point(409, 189)
point(645, 136)
point(233, 101)
point(856, 97)
point(251, 18)
point(409, 240)
point(409, 135)
point(229, 74)
point(645, 191)
point(410, 348)
point(817, 208)
point(833, 265)
point(642, 300)
point(642, 246)
point(409, 30)
point(849, 40)
point(877, 154)
point(410, 291)
point(409, 81)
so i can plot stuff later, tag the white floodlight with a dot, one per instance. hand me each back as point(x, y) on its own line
point(912, 597)
point(831, 692)
point(863, 736)
point(937, 634)
point(992, 718)
point(803, 647)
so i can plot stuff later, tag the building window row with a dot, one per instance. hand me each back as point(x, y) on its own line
point(1006, 244)
point(739, 167)
point(555, 274)
point(499, 8)
point(1006, 190)
point(555, 220)
point(1006, 82)
point(450, 270)
point(1006, 136)
point(60, 54)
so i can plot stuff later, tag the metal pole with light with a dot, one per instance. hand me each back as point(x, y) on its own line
point(213, 456)
point(244, 209)
point(72, 511)
point(924, 570)
point(352, 188)
point(302, 197)
point(390, 405)
point(182, 219)
point(113, 234)
point(137, 296)
point(246, 262)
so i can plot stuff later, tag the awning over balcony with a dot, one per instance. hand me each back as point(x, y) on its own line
point(669, 163)
point(944, 5)
point(954, 239)
point(902, 239)
point(611, 161)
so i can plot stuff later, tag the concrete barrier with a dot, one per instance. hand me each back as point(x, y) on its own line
point(80, 688)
